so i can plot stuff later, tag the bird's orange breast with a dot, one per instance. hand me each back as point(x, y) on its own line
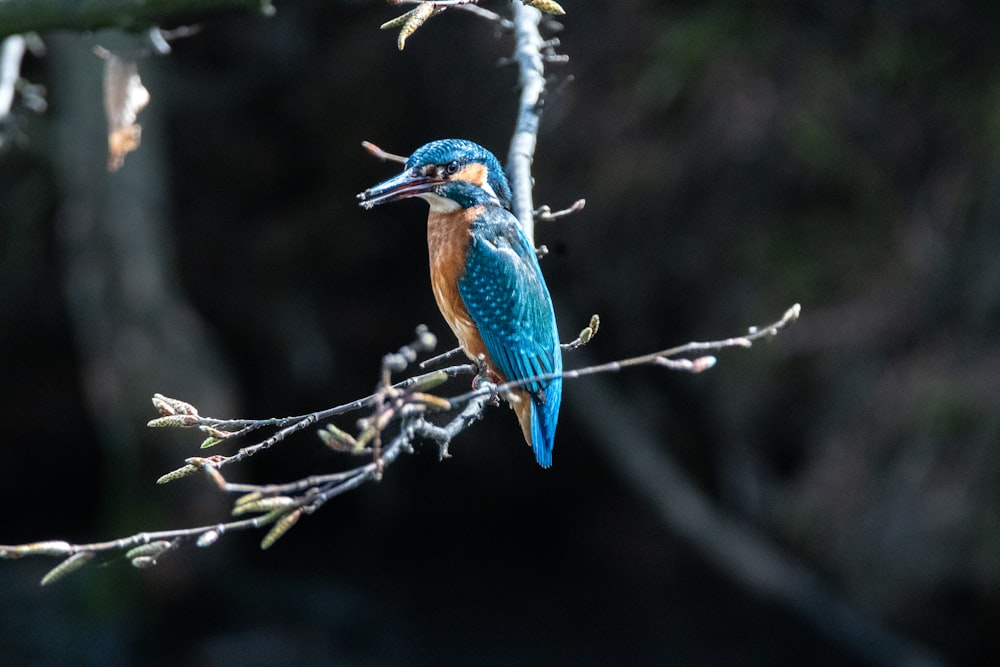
point(448, 236)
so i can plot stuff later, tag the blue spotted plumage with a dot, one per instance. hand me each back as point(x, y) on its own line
point(504, 292)
point(486, 277)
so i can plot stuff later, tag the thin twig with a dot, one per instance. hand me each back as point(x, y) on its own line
point(660, 358)
point(444, 356)
point(471, 6)
point(437, 3)
point(546, 214)
point(225, 429)
point(381, 154)
point(41, 16)
point(583, 338)
point(483, 13)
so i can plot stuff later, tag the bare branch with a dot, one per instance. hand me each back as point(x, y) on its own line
point(483, 13)
point(11, 53)
point(662, 358)
point(437, 3)
point(444, 356)
point(582, 339)
point(21, 16)
point(546, 214)
point(381, 154)
point(412, 20)
point(471, 6)
point(398, 409)
point(226, 429)
point(32, 97)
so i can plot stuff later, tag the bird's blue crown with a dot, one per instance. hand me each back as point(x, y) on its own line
point(464, 152)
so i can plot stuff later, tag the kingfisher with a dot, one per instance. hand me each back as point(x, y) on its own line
point(486, 278)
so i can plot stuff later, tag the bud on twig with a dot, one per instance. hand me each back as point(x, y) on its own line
point(68, 566)
point(282, 526)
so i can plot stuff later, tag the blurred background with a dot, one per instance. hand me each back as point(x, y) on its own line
point(736, 158)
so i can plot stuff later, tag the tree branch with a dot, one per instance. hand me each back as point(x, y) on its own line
point(19, 16)
point(11, 53)
point(400, 410)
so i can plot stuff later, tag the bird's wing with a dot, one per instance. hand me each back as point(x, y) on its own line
point(505, 294)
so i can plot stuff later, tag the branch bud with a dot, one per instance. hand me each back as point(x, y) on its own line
point(167, 406)
point(68, 566)
point(151, 550)
point(414, 19)
point(214, 432)
point(337, 439)
point(183, 471)
point(431, 380)
point(264, 505)
point(208, 538)
point(430, 401)
point(210, 441)
point(182, 421)
point(426, 341)
point(547, 6)
point(283, 525)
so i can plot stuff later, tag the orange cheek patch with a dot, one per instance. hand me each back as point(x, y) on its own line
point(474, 173)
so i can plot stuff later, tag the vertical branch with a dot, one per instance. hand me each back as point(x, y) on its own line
point(10, 71)
point(528, 54)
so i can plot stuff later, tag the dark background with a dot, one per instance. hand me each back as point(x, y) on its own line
point(736, 158)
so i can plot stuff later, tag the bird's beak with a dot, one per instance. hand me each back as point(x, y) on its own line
point(410, 183)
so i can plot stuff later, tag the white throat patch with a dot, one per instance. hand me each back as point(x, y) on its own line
point(438, 203)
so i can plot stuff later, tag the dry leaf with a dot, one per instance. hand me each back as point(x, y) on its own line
point(124, 98)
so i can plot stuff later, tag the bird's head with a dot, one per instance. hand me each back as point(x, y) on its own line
point(449, 174)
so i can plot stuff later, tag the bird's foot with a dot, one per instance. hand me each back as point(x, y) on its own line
point(486, 379)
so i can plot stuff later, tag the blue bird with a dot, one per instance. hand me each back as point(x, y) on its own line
point(485, 276)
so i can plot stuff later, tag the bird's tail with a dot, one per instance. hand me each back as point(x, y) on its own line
point(544, 417)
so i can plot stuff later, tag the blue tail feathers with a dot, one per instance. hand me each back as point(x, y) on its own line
point(544, 417)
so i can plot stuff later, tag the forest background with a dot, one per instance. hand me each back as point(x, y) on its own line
point(736, 158)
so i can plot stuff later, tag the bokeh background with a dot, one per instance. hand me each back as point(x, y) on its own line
point(736, 158)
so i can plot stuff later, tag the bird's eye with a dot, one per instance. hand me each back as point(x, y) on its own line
point(451, 168)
